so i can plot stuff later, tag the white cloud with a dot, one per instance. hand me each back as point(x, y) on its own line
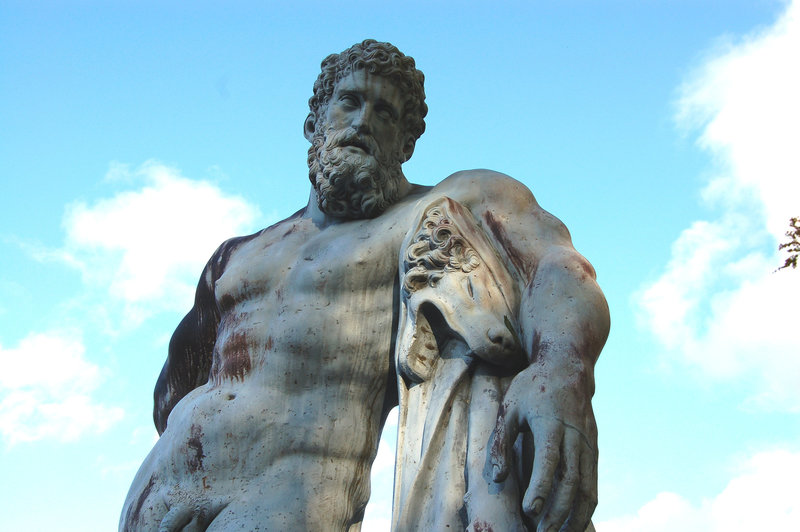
point(762, 496)
point(746, 98)
point(384, 461)
point(143, 250)
point(148, 246)
point(46, 387)
point(378, 516)
point(380, 521)
point(718, 306)
point(666, 513)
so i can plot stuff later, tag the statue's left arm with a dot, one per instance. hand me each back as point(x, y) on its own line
point(564, 323)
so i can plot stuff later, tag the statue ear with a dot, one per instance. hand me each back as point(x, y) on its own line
point(417, 350)
point(308, 126)
point(408, 148)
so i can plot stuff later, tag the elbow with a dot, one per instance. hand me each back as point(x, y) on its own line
point(565, 306)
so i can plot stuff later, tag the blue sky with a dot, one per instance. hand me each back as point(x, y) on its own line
point(136, 136)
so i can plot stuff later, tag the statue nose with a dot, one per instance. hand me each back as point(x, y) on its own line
point(361, 121)
point(501, 338)
point(362, 127)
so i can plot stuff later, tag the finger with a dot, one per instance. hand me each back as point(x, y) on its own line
point(566, 484)
point(547, 442)
point(586, 498)
point(505, 432)
point(199, 523)
point(177, 517)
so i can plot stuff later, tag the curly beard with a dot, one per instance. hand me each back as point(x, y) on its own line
point(352, 183)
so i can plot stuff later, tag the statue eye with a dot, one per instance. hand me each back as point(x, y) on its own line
point(386, 113)
point(467, 284)
point(348, 100)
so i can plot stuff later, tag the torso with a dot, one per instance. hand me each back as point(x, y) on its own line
point(284, 433)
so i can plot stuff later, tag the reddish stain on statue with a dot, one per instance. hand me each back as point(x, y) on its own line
point(482, 526)
point(135, 510)
point(499, 232)
point(236, 357)
point(195, 453)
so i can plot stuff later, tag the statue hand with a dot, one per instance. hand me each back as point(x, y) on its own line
point(562, 493)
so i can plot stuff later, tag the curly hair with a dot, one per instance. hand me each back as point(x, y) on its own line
point(383, 59)
point(436, 250)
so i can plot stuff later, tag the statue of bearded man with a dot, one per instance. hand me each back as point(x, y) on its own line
point(355, 173)
point(464, 302)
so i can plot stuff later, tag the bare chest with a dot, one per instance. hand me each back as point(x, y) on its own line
point(308, 304)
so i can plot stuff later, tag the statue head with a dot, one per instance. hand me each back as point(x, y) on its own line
point(377, 58)
point(354, 163)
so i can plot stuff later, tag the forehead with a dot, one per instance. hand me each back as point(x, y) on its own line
point(373, 86)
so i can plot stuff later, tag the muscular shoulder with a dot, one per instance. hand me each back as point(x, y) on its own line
point(480, 184)
point(221, 257)
point(499, 201)
point(227, 251)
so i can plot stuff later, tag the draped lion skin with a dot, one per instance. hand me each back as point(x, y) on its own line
point(279, 379)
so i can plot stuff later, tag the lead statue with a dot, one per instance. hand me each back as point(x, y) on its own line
point(465, 303)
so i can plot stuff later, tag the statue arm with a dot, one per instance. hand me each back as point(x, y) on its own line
point(564, 323)
point(190, 349)
point(564, 319)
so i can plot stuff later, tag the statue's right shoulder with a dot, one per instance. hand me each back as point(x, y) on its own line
point(227, 251)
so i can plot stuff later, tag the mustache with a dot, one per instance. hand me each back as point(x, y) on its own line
point(351, 137)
